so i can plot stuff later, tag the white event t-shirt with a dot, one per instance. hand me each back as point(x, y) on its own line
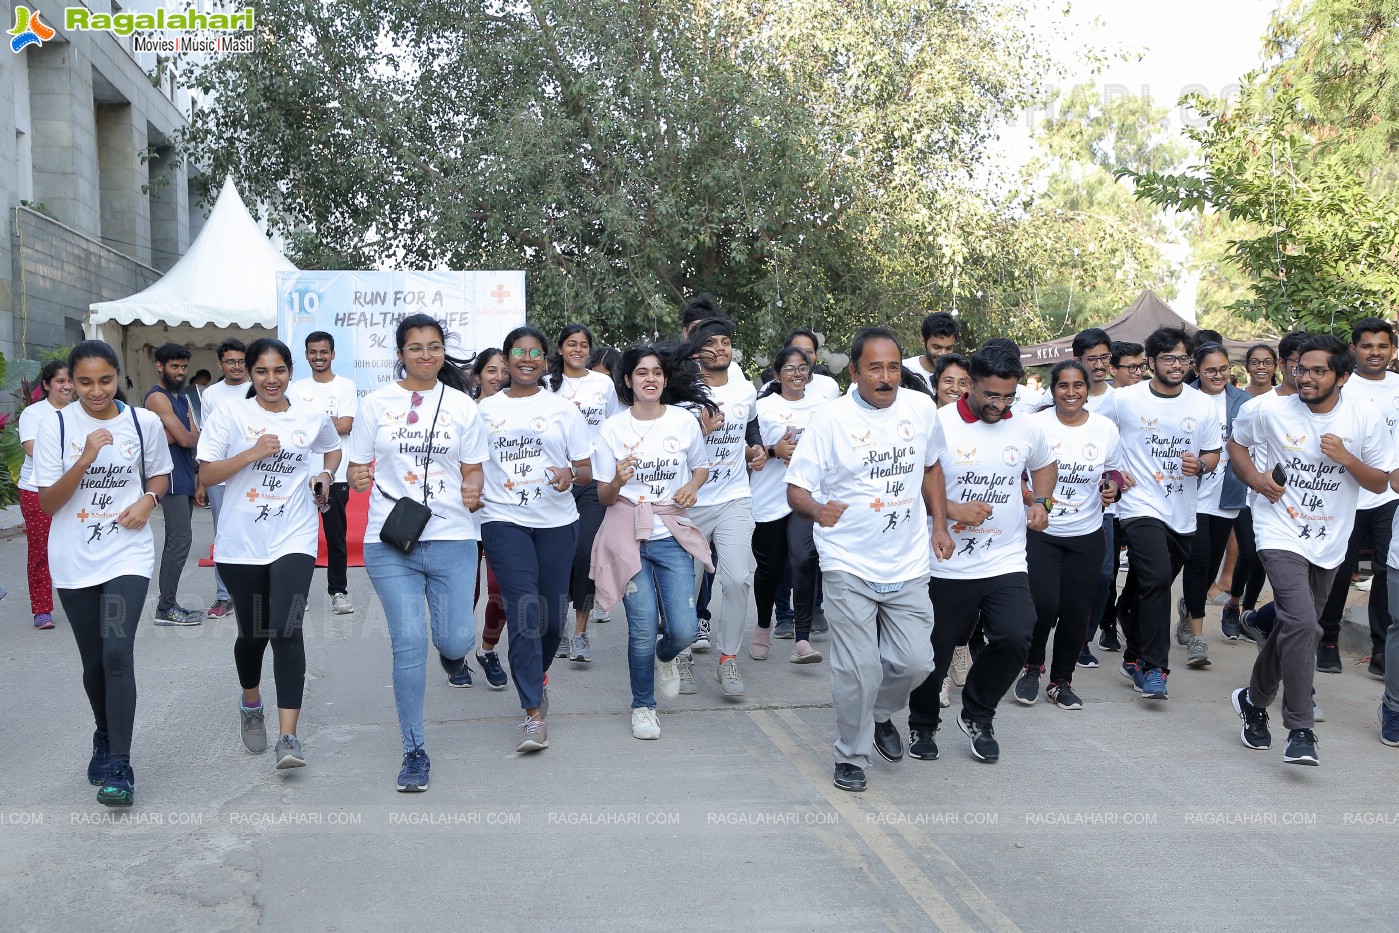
point(215, 395)
point(873, 460)
point(915, 363)
point(1084, 452)
point(1156, 430)
point(728, 463)
point(594, 396)
point(86, 544)
point(983, 463)
point(777, 415)
point(1315, 515)
point(336, 398)
point(267, 510)
point(382, 435)
point(1212, 483)
point(524, 436)
point(668, 450)
point(29, 421)
point(1384, 395)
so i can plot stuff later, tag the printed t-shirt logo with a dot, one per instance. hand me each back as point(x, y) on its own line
point(862, 441)
point(1294, 441)
point(740, 412)
point(538, 424)
point(299, 438)
point(497, 427)
point(966, 457)
point(671, 444)
point(1148, 424)
point(1090, 452)
point(129, 450)
point(1011, 456)
point(1187, 424)
point(251, 433)
point(905, 430)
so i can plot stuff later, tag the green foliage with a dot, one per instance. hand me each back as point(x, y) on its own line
point(12, 374)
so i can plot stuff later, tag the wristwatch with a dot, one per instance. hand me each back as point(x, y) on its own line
point(1046, 501)
point(772, 452)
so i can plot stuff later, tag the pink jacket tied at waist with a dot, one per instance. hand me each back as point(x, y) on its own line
point(617, 547)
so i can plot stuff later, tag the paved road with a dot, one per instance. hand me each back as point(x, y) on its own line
point(1121, 815)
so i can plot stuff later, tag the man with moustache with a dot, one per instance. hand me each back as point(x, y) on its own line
point(1170, 435)
point(1329, 445)
point(168, 401)
point(979, 522)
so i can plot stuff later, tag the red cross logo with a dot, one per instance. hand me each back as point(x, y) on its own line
point(252, 495)
point(82, 516)
point(879, 504)
point(509, 484)
point(500, 293)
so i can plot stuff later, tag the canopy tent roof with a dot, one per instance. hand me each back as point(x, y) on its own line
point(228, 278)
point(1144, 315)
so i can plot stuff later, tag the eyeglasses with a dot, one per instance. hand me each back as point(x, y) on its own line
point(1216, 372)
point(417, 349)
point(1260, 364)
point(1096, 360)
point(413, 412)
point(992, 397)
point(1170, 359)
point(1131, 367)
point(795, 370)
point(519, 353)
point(1316, 372)
point(234, 364)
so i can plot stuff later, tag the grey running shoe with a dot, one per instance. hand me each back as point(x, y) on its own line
point(730, 683)
point(819, 625)
point(784, 630)
point(177, 616)
point(600, 615)
point(254, 729)
point(289, 754)
point(340, 604)
point(1182, 622)
point(1197, 654)
point(685, 664)
point(580, 650)
point(565, 645)
point(536, 735)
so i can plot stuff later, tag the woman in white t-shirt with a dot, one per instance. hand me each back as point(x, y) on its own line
point(651, 460)
point(101, 467)
point(782, 539)
point(539, 446)
point(1064, 559)
point(279, 461)
point(489, 376)
point(595, 397)
point(57, 388)
point(421, 438)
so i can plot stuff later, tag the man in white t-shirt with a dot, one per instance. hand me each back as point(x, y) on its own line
point(1372, 343)
point(1170, 436)
point(336, 396)
point(234, 385)
point(940, 333)
point(979, 522)
point(862, 473)
point(724, 507)
point(1326, 446)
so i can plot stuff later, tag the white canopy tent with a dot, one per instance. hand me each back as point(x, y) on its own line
point(225, 285)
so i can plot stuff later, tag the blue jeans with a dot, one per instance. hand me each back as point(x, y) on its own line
point(667, 576)
point(533, 581)
point(429, 588)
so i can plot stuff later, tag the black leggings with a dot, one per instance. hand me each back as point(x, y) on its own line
point(1207, 549)
point(104, 618)
point(786, 543)
point(590, 512)
point(270, 602)
point(1064, 582)
point(1249, 577)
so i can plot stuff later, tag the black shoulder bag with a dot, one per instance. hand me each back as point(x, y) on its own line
point(407, 519)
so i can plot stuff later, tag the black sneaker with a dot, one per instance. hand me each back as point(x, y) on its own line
point(1301, 748)
point(887, 741)
point(118, 786)
point(1229, 621)
point(1027, 688)
point(1108, 639)
point(458, 672)
point(1255, 732)
point(1376, 666)
point(850, 777)
point(1328, 658)
point(1086, 658)
point(984, 745)
point(1062, 695)
point(923, 744)
point(101, 752)
point(174, 615)
point(495, 674)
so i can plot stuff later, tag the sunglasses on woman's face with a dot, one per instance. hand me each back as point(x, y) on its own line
point(413, 411)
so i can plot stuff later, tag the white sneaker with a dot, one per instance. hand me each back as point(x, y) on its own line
point(961, 663)
point(340, 604)
point(667, 680)
point(1364, 585)
point(944, 698)
point(600, 615)
point(644, 724)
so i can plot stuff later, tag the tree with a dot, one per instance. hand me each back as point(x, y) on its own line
point(796, 157)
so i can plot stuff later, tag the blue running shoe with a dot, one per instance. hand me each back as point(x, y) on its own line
point(1154, 684)
point(413, 778)
point(1133, 672)
point(1389, 725)
point(118, 787)
point(495, 674)
point(97, 766)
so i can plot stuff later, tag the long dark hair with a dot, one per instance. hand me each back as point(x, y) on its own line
point(453, 371)
point(783, 355)
point(682, 384)
point(49, 373)
point(478, 366)
point(1266, 349)
point(605, 356)
point(556, 361)
point(1058, 371)
point(255, 352)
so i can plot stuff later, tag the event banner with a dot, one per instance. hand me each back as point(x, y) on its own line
point(361, 309)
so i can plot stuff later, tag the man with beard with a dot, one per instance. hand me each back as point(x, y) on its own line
point(979, 522)
point(940, 333)
point(167, 400)
point(1170, 435)
point(1329, 446)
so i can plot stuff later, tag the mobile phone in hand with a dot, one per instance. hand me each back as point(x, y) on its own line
point(320, 489)
point(1279, 476)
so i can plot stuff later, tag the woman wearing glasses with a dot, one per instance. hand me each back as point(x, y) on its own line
point(539, 447)
point(781, 538)
point(1262, 364)
point(421, 439)
point(1221, 496)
